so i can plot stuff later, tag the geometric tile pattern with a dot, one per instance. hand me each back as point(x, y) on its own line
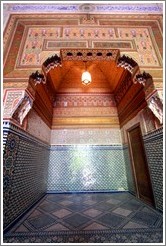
point(94, 168)
point(9, 163)
point(154, 150)
point(25, 173)
point(149, 236)
point(145, 218)
point(129, 174)
point(90, 218)
point(110, 220)
point(41, 222)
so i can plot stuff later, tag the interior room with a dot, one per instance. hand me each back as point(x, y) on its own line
point(83, 122)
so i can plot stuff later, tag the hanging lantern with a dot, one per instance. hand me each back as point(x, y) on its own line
point(86, 76)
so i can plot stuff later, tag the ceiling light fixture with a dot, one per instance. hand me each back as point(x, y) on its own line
point(86, 76)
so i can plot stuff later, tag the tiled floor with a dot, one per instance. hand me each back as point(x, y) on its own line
point(88, 211)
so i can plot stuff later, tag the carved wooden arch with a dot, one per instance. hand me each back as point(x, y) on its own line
point(152, 97)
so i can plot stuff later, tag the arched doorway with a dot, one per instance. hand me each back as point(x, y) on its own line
point(112, 75)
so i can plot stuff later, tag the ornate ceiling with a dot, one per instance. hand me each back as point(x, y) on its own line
point(30, 39)
point(100, 63)
point(105, 76)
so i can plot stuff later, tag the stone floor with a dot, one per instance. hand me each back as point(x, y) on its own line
point(88, 211)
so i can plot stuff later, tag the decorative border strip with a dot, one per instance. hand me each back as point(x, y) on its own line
point(86, 191)
point(127, 8)
point(52, 45)
point(83, 147)
point(89, 191)
point(87, 7)
point(89, 54)
point(137, 230)
point(115, 43)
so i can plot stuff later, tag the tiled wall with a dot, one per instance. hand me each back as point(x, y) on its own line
point(25, 172)
point(86, 168)
point(70, 168)
point(154, 150)
point(129, 174)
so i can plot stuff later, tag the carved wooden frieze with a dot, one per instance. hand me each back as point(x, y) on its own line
point(122, 89)
point(89, 54)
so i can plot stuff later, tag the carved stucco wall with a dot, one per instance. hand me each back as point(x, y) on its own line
point(37, 128)
point(85, 119)
point(94, 136)
point(99, 25)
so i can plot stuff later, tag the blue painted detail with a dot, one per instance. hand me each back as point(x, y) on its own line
point(45, 7)
point(128, 8)
point(75, 8)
